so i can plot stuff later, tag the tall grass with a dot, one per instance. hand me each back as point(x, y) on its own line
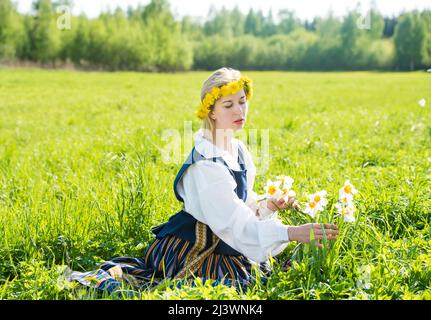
point(82, 179)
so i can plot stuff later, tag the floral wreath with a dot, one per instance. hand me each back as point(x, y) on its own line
point(226, 90)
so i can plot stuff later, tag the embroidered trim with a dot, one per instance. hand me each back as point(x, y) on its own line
point(193, 259)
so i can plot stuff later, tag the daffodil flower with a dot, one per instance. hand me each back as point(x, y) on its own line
point(272, 189)
point(286, 181)
point(311, 208)
point(422, 102)
point(346, 212)
point(346, 200)
point(288, 194)
point(316, 202)
point(320, 198)
point(347, 190)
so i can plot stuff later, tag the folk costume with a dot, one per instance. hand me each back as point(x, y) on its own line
point(222, 232)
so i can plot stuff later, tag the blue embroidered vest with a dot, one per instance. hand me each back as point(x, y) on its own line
point(182, 224)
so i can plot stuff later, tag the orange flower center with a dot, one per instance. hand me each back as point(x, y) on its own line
point(348, 188)
point(312, 204)
point(284, 190)
point(271, 190)
point(317, 198)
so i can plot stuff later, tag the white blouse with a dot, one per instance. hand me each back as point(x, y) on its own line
point(208, 191)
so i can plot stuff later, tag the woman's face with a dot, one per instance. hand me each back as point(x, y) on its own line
point(230, 112)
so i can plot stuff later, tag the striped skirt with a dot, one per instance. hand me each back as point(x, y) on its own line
point(163, 259)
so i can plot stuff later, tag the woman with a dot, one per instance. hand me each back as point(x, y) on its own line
point(223, 232)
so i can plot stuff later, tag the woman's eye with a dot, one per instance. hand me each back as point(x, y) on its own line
point(231, 105)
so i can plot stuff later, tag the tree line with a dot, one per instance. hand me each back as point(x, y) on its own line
point(150, 38)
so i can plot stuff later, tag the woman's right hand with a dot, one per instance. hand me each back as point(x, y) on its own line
point(321, 230)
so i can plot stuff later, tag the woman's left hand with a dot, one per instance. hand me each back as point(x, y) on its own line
point(275, 205)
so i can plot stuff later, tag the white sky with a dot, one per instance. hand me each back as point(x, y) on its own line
point(305, 9)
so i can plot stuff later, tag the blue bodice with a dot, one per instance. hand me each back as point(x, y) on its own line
point(182, 224)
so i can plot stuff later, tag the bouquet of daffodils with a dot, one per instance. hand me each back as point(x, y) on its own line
point(281, 189)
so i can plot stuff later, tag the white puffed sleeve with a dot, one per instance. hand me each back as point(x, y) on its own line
point(209, 195)
point(259, 207)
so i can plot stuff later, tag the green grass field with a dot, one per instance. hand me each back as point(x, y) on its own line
point(82, 179)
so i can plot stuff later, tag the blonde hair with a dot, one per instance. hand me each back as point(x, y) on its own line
point(219, 78)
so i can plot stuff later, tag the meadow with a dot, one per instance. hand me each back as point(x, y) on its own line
point(82, 179)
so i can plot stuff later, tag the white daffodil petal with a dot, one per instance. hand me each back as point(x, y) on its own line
point(349, 218)
point(278, 194)
point(291, 194)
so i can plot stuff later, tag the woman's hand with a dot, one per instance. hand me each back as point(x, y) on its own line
point(321, 230)
point(275, 205)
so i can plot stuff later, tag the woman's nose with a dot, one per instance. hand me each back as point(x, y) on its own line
point(239, 109)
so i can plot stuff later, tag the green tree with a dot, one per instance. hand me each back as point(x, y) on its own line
point(410, 41)
point(238, 22)
point(350, 34)
point(253, 23)
point(288, 21)
point(192, 28)
point(389, 28)
point(426, 17)
point(97, 52)
point(243, 52)
point(158, 9)
point(327, 27)
point(380, 51)
point(213, 52)
point(377, 25)
point(80, 41)
point(219, 22)
point(269, 27)
point(325, 52)
point(356, 39)
point(45, 35)
point(12, 34)
point(164, 40)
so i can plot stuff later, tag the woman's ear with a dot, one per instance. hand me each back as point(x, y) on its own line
point(212, 116)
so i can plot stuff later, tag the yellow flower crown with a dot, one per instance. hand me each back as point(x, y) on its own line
point(224, 91)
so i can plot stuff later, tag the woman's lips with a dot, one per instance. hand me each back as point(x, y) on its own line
point(239, 121)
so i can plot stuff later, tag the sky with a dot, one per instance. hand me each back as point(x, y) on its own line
point(304, 9)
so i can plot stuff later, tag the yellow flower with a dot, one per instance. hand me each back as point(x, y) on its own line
point(250, 93)
point(216, 92)
point(226, 90)
point(235, 87)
